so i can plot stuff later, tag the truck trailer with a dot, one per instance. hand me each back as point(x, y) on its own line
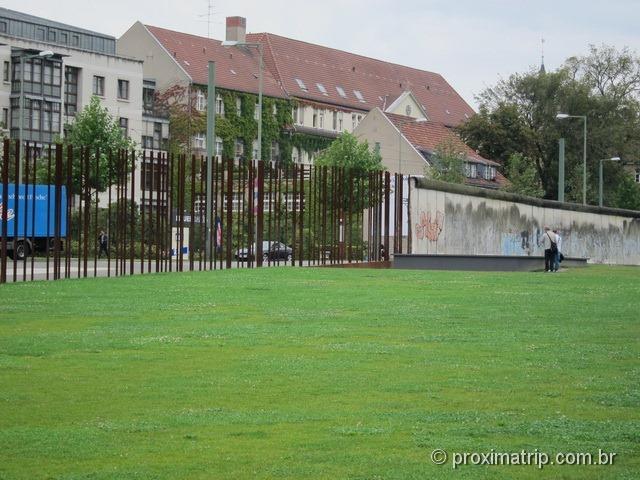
point(33, 221)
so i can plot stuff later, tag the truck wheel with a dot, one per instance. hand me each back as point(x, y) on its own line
point(20, 251)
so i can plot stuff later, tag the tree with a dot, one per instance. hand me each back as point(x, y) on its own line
point(447, 162)
point(523, 177)
point(179, 103)
point(347, 152)
point(96, 131)
point(517, 116)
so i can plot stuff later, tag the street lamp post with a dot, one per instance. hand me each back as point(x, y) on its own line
point(43, 54)
point(258, 46)
point(561, 116)
point(612, 159)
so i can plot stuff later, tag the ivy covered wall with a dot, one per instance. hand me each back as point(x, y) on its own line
point(275, 127)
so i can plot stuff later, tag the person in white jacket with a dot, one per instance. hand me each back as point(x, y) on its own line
point(559, 246)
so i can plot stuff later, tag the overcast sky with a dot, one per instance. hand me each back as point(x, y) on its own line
point(472, 43)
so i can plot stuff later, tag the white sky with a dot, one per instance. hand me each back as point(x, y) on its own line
point(472, 43)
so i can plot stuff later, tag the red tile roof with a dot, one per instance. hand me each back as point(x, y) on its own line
point(193, 54)
point(379, 82)
point(427, 135)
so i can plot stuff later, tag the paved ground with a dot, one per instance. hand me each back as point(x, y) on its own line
point(101, 268)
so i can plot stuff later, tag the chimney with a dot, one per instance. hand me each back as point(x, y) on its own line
point(236, 29)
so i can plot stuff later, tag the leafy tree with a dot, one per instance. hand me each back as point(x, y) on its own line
point(97, 132)
point(185, 120)
point(523, 177)
point(448, 162)
point(517, 116)
point(347, 152)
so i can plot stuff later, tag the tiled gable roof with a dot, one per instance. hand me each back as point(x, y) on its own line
point(427, 135)
point(193, 53)
point(377, 81)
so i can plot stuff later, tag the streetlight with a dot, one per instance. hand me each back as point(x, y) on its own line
point(612, 159)
point(235, 43)
point(43, 54)
point(258, 46)
point(561, 116)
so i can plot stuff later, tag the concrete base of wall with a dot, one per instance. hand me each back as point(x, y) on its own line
point(483, 263)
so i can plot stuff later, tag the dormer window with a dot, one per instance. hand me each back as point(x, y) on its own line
point(301, 84)
point(359, 96)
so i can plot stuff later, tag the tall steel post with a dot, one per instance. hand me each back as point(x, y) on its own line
point(211, 141)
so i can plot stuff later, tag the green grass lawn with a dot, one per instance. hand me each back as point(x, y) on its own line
point(318, 373)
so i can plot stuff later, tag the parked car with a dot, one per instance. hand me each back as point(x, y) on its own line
point(271, 251)
point(278, 251)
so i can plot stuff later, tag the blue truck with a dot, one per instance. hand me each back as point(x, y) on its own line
point(31, 222)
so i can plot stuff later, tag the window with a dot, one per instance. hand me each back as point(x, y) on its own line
point(201, 101)
point(300, 114)
point(5, 118)
point(35, 115)
point(238, 106)
point(341, 92)
point(322, 89)
point(335, 120)
point(123, 89)
point(219, 106)
point(321, 119)
point(40, 34)
point(75, 40)
point(98, 86)
point(219, 146)
point(52, 35)
point(147, 142)
point(124, 126)
point(200, 141)
point(70, 90)
point(474, 171)
point(301, 84)
point(359, 96)
point(467, 170)
point(5, 72)
point(63, 37)
point(637, 175)
point(275, 151)
point(157, 135)
point(376, 147)
point(3, 27)
point(314, 123)
point(239, 149)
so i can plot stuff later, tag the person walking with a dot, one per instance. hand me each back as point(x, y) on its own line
point(559, 250)
point(550, 249)
point(103, 243)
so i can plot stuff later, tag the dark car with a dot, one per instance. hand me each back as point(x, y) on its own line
point(278, 251)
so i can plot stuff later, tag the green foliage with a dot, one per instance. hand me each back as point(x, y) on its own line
point(95, 130)
point(348, 153)
point(523, 177)
point(318, 373)
point(627, 193)
point(447, 163)
point(517, 116)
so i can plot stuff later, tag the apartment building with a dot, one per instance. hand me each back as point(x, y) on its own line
point(56, 87)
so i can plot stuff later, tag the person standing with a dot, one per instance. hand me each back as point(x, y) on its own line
point(550, 249)
point(559, 250)
point(103, 243)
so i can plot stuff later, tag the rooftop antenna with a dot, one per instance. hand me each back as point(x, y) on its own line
point(209, 14)
point(542, 69)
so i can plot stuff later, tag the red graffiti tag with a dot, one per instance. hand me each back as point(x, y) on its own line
point(429, 228)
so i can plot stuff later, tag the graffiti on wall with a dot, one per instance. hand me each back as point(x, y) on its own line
point(429, 227)
point(521, 243)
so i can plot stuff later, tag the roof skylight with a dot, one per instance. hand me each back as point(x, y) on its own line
point(301, 84)
point(359, 96)
point(322, 89)
point(341, 92)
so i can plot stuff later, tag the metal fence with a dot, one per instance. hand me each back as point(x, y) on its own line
point(74, 212)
